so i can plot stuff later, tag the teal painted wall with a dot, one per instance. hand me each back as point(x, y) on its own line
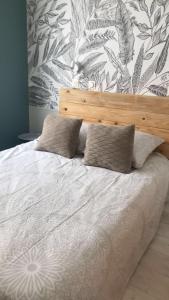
point(13, 72)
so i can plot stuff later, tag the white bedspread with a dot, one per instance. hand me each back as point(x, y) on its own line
point(72, 232)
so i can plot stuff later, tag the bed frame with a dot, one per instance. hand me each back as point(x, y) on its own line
point(148, 113)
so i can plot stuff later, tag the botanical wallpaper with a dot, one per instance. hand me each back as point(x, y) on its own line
point(121, 45)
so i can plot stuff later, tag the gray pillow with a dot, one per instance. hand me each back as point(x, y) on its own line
point(60, 135)
point(110, 147)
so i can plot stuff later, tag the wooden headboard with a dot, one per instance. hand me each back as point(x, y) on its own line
point(148, 113)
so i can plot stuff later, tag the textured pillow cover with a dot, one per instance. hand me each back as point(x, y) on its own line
point(110, 147)
point(60, 135)
point(144, 145)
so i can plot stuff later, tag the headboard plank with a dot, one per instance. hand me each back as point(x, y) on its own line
point(121, 101)
point(116, 115)
point(148, 113)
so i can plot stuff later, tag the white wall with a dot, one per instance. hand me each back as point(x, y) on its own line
point(37, 116)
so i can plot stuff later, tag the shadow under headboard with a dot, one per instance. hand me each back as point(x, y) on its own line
point(148, 113)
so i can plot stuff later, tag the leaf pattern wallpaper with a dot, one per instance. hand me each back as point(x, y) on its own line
point(121, 45)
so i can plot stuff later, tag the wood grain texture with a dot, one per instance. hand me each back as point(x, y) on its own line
point(149, 114)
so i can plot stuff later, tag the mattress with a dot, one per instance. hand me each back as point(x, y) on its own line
point(73, 232)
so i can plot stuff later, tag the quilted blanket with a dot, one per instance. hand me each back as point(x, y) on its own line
point(72, 232)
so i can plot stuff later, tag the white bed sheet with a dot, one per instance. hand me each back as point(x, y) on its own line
point(72, 232)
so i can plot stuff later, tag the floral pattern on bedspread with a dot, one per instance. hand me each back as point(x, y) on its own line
point(72, 232)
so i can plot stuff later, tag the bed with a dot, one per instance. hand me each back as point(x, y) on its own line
point(70, 231)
